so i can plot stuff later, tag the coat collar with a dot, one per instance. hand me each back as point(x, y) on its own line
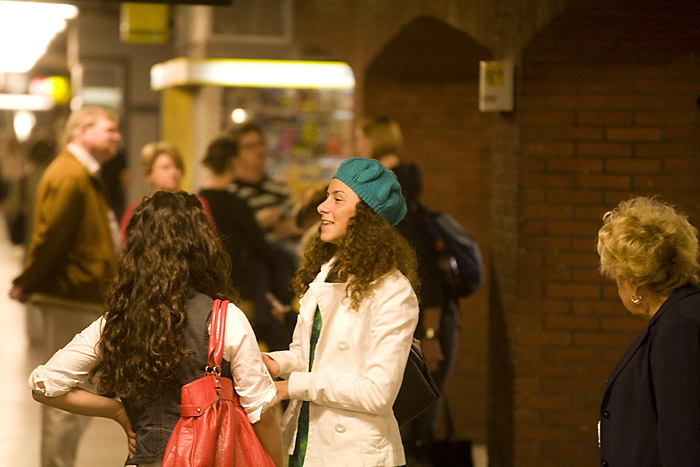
point(327, 295)
point(67, 155)
point(84, 157)
point(674, 298)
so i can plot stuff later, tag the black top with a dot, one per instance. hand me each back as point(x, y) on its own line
point(434, 292)
point(414, 229)
point(242, 239)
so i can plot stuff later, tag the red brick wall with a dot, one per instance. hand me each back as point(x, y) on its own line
point(607, 110)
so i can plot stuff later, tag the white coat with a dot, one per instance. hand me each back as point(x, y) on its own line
point(358, 367)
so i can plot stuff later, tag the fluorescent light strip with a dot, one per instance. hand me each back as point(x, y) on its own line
point(25, 102)
point(252, 73)
point(34, 10)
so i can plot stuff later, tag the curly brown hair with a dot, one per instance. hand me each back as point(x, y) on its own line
point(368, 251)
point(171, 252)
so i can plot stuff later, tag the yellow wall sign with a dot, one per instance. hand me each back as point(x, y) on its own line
point(494, 73)
point(496, 86)
point(145, 23)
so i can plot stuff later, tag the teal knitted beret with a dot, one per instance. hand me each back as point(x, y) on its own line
point(375, 185)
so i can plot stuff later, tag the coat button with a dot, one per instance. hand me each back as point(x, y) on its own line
point(604, 463)
point(340, 428)
point(606, 414)
point(342, 345)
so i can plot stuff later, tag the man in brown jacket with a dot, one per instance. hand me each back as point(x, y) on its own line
point(71, 254)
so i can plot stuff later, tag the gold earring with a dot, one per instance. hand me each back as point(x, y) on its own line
point(636, 300)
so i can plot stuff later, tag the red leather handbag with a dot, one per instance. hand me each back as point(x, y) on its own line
point(213, 430)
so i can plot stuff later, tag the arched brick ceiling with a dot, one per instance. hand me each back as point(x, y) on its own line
point(620, 24)
point(426, 51)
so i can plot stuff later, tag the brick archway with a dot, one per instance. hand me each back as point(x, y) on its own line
point(426, 77)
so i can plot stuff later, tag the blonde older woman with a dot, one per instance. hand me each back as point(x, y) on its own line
point(650, 415)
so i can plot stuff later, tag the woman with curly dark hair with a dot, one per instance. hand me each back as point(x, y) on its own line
point(357, 314)
point(153, 337)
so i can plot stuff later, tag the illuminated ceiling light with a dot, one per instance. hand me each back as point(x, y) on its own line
point(25, 102)
point(38, 10)
point(29, 27)
point(24, 122)
point(238, 115)
point(252, 73)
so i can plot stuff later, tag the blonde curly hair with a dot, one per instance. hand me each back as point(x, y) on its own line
point(651, 244)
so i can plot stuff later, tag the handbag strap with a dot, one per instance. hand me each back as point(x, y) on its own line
point(216, 335)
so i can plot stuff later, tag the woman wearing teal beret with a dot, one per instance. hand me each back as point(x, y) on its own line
point(357, 314)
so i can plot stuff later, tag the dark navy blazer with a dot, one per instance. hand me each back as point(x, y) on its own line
point(650, 415)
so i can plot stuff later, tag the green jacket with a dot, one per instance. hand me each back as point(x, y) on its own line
point(71, 253)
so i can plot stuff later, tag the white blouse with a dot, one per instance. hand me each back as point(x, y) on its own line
point(69, 367)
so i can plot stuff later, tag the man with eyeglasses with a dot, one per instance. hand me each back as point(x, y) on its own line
point(270, 201)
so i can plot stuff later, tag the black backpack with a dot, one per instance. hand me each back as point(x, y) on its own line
point(458, 254)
